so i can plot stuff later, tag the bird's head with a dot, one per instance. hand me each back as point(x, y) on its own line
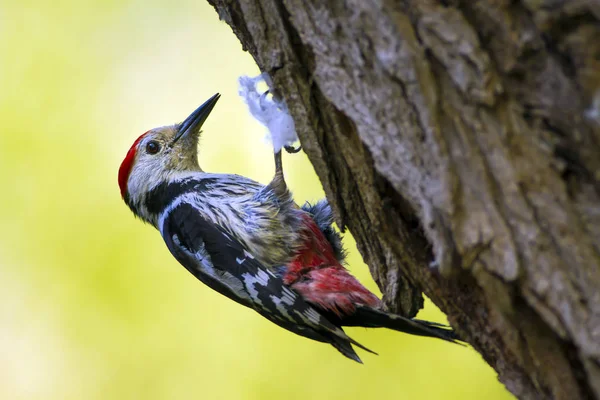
point(161, 153)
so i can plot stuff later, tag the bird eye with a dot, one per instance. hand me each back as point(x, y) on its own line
point(152, 147)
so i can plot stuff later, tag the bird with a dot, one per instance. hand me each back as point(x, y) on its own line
point(251, 242)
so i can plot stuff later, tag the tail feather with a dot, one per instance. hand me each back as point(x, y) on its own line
point(344, 347)
point(360, 346)
point(343, 344)
point(370, 317)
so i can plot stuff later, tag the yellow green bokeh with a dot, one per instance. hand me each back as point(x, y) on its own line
point(92, 305)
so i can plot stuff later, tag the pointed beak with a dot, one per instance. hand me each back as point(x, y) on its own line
point(193, 123)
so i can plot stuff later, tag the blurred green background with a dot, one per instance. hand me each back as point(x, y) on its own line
point(92, 305)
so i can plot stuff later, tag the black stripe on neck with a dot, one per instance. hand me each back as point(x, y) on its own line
point(162, 195)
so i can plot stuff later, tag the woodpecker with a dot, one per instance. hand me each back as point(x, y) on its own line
point(251, 242)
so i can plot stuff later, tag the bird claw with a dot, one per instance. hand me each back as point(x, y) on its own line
point(263, 99)
point(292, 149)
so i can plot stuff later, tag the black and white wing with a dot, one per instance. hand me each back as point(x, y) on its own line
point(220, 261)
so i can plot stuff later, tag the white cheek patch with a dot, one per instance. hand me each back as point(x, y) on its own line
point(146, 173)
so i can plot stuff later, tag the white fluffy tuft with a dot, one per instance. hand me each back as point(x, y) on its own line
point(269, 112)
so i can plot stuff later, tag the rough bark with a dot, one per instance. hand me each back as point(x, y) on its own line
point(459, 141)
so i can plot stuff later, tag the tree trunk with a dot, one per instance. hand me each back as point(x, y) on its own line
point(459, 141)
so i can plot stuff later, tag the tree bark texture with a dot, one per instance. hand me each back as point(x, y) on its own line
point(459, 141)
